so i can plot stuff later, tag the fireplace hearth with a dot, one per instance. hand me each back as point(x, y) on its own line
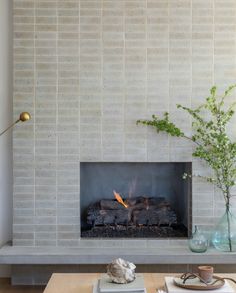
point(149, 200)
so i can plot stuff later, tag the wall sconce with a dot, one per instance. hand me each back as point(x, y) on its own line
point(24, 116)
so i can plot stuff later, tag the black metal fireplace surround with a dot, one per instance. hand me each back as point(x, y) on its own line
point(135, 200)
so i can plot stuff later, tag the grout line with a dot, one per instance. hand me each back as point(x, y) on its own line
point(125, 88)
point(169, 74)
point(190, 201)
point(146, 82)
point(213, 82)
point(57, 86)
point(213, 49)
point(79, 116)
point(102, 83)
point(34, 120)
point(191, 82)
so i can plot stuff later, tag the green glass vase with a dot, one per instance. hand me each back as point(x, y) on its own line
point(224, 234)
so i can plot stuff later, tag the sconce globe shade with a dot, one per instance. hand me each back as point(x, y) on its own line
point(25, 116)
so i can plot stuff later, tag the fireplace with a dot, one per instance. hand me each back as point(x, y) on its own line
point(135, 200)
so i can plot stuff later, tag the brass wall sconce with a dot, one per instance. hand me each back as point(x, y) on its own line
point(24, 116)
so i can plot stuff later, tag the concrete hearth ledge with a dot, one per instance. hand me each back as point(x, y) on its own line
point(171, 255)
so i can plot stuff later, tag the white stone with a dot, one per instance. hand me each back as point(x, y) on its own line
point(121, 271)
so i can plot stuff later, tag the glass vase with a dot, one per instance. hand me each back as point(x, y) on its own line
point(224, 234)
point(198, 242)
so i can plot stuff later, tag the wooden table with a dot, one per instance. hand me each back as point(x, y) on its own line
point(83, 283)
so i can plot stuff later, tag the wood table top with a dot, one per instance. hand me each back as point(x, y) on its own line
point(83, 283)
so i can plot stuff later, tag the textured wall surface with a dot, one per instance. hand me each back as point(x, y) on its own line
point(6, 178)
point(87, 70)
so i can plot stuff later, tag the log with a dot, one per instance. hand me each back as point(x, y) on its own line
point(141, 211)
point(110, 204)
point(142, 202)
point(109, 217)
point(154, 217)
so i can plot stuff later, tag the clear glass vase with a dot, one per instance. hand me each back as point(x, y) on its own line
point(198, 242)
point(224, 234)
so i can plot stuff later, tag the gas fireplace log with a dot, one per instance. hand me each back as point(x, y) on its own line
point(142, 202)
point(110, 204)
point(157, 217)
point(140, 211)
point(109, 217)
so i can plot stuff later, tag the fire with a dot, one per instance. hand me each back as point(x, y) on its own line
point(119, 199)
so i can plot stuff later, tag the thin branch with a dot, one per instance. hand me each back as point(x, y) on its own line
point(189, 138)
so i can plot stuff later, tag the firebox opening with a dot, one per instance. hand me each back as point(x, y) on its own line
point(135, 200)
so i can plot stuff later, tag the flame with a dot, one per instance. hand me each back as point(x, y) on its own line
point(119, 199)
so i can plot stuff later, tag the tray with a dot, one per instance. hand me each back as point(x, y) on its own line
point(196, 284)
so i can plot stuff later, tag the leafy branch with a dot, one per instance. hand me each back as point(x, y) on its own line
point(212, 144)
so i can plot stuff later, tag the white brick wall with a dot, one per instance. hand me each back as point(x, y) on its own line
point(87, 70)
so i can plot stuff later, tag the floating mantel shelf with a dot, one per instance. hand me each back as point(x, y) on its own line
point(179, 255)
